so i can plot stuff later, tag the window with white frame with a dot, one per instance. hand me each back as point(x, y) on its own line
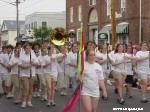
point(71, 14)
point(108, 7)
point(80, 13)
point(92, 2)
point(123, 5)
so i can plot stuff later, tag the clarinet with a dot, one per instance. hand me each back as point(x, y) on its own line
point(149, 59)
point(30, 68)
point(107, 57)
point(124, 55)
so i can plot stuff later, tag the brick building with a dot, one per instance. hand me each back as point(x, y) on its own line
point(96, 19)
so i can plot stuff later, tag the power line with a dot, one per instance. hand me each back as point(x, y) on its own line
point(20, 9)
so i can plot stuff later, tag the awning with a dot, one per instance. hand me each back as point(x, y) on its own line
point(120, 29)
point(105, 29)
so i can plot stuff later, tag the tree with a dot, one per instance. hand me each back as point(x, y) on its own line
point(42, 33)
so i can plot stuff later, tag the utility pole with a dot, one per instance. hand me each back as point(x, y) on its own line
point(17, 14)
point(17, 19)
point(113, 22)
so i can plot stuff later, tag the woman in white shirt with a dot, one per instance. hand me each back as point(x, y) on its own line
point(143, 69)
point(92, 79)
point(119, 71)
point(27, 64)
point(51, 73)
point(73, 65)
point(105, 63)
point(129, 71)
point(13, 64)
point(63, 70)
point(41, 76)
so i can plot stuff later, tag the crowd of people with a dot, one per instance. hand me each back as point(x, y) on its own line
point(32, 70)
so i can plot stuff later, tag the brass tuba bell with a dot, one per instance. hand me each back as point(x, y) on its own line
point(59, 36)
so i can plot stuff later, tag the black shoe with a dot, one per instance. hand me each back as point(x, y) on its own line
point(116, 90)
point(120, 101)
point(5, 93)
point(70, 85)
point(1, 94)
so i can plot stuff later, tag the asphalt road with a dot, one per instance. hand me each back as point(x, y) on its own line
point(7, 105)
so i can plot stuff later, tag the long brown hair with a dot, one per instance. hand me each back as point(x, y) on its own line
point(116, 49)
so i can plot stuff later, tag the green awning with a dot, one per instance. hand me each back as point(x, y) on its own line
point(105, 29)
point(121, 28)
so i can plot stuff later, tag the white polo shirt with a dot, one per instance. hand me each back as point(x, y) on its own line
point(143, 66)
point(13, 60)
point(25, 59)
point(91, 75)
point(73, 59)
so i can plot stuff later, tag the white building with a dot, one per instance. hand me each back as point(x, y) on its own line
point(49, 19)
point(9, 31)
point(41, 19)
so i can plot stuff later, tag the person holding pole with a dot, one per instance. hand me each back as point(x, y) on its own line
point(92, 78)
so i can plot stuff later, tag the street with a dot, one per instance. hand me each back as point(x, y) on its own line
point(7, 105)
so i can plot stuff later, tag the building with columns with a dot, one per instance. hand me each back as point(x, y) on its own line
point(132, 20)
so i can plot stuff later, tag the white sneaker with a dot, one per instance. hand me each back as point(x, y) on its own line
point(38, 94)
point(29, 104)
point(34, 94)
point(23, 105)
point(9, 96)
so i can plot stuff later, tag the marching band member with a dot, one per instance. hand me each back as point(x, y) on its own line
point(6, 71)
point(41, 74)
point(105, 63)
point(36, 50)
point(73, 65)
point(92, 79)
point(143, 69)
point(2, 90)
point(27, 64)
point(13, 64)
point(51, 73)
point(119, 71)
point(90, 45)
point(129, 71)
point(63, 71)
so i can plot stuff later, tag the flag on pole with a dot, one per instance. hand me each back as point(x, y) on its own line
point(71, 104)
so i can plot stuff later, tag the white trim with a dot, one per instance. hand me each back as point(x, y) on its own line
point(80, 13)
point(108, 7)
point(71, 14)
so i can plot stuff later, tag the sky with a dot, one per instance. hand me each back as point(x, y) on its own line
point(26, 7)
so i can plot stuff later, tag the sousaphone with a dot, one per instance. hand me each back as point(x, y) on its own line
point(59, 36)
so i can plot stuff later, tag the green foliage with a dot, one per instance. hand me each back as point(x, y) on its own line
point(42, 33)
